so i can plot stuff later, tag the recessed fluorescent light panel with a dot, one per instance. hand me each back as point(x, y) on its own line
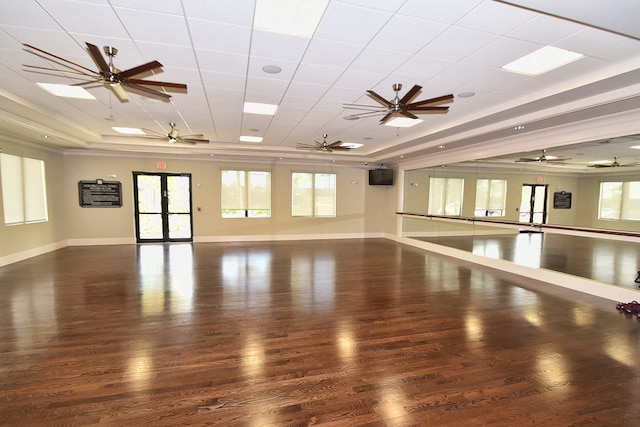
point(258, 108)
point(350, 145)
point(402, 122)
point(291, 17)
point(66, 91)
point(129, 131)
point(245, 138)
point(542, 60)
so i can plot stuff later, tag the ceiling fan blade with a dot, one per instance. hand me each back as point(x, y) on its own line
point(386, 117)
point(118, 91)
point(97, 57)
point(411, 94)
point(378, 98)
point(362, 107)
point(432, 101)
point(429, 109)
point(193, 136)
point(146, 91)
point(335, 144)
point(193, 140)
point(153, 132)
point(525, 159)
point(70, 71)
point(408, 114)
point(156, 83)
point(140, 69)
point(58, 58)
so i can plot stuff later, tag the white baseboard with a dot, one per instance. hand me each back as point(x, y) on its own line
point(285, 237)
point(40, 250)
point(102, 242)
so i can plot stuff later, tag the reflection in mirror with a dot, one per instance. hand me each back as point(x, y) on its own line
point(567, 194)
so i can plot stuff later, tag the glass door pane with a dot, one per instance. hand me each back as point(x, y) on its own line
point(149, 207)
point(179, 206)
point(539, 204)
point(525, 204)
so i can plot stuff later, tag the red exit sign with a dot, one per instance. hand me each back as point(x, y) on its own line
point(161, 165)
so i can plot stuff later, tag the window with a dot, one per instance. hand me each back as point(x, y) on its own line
point(246, 194)
point(619, 201)
point(445, 196)
point(24, 192)
point(313, 194)
point(491, 196)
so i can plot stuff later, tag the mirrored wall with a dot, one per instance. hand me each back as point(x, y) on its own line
point(536, 208)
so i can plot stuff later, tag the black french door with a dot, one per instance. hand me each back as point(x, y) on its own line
point(162, 207)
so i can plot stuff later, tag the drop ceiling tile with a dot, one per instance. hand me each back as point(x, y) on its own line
point(278, 46)
point(484, 18)
point(257, 85)
point(307, 89)
point(544, 30)
point(161, 6)
point(26, 14)
point(447, 12)
point(86, 18)
point(223, 81)
point(316, 74)
point(501, 52)
point(380, 61)
point(331, 53)
point(457, 43)
point(590, 40)
point(256, 63)
point(221, 62)
point(407, 34)
point(420, 68)
point(219, 37)
point(355, 24)
point(238, 12)
point(386, 5)
point(169, 55)
point(155, 27)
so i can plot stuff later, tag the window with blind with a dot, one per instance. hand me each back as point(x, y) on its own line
point(24, 190)
point(491, 197)
point(313, 194)
point(246, 194)
point(619, 201)
point(445, 196)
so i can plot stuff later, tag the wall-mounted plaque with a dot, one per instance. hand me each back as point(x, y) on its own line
point(561, 200)
point(100, 194)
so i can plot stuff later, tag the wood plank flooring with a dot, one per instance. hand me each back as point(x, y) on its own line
point(358, 332)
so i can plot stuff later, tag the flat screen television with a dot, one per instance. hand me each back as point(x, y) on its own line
point(380, 176)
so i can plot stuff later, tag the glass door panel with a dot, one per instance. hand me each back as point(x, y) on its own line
point(533, 204)
point(163, 207)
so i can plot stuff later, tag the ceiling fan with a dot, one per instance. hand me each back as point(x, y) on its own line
point(173, 136)
point(611, 164)
point(402, 106)
point(119, 82)
point(543, 158)
point(324, 146)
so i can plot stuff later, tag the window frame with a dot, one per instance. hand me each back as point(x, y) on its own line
point(486, 205)
point(246, 200)
point(314, 195)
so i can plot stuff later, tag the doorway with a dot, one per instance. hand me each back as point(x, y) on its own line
point(533, 204)
point(162, 207)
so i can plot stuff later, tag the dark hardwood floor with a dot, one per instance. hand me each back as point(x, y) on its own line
point(334, 333)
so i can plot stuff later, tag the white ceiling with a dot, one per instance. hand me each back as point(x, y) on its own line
point(452, 46)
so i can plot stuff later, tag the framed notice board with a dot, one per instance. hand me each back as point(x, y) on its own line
point(561, 200)
point(100, 194)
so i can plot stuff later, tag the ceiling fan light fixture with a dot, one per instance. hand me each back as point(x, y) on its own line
point(66, 91)
point(402, 122)
point(600, 162)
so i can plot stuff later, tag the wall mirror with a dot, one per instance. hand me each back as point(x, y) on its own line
point(511, 206)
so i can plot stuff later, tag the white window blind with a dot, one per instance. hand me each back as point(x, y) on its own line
point(24, 193)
